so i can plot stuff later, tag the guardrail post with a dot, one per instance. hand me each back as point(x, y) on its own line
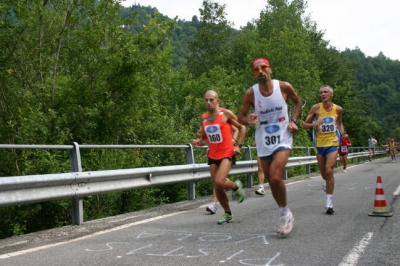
point(308, 167)
point(284, 174)
point(77, 202)
point(351, 151)
point(247, 155)
point(358, 158)
point(363, 157)
point(191, 184)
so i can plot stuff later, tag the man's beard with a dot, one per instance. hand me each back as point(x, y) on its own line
point(262, 79)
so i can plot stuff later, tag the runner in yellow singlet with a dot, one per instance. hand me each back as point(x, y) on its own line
point(326, 117)
point(392, 149)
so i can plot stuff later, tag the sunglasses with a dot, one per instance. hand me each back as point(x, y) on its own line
point(260, 68)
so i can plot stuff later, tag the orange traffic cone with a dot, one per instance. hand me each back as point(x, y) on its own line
point(380, 208)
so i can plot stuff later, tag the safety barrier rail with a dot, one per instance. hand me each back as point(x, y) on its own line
point(27, 189)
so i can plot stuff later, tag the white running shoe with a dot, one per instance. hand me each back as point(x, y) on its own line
point(212, 208)
point(286, 223)
point(260, 191)
point(344, 170)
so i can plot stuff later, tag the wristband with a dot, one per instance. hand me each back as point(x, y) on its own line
point(295, 121)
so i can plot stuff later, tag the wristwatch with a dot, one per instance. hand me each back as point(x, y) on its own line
point(295, 121)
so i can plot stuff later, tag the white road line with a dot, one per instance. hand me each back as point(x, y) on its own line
point(352, 257)
point(14, 244)
point(295, 182)
point(397, 191)
point(17, 253)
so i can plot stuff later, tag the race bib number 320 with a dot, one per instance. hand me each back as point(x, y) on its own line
point(328, 126)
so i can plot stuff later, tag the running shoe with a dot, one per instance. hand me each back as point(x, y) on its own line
point(260, 191)
point(323, 187)
point(212, 208)
point(226, 218)
point(239, 193)
point(329, 210)
point(286, 223)
point(344, 170)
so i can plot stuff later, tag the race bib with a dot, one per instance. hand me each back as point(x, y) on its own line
point(328, 126)
point(344, 149)
point(271, 135)
point(214, 133)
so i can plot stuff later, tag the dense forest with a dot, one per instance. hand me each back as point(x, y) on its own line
point(94, 72)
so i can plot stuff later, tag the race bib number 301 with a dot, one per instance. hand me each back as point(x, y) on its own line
point(214, 134)
point(271, 135)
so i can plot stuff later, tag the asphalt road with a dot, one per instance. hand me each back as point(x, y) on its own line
point(185, 234)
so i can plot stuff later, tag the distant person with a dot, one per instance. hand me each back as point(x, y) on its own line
point(261, 177)
point(392, 149)
point(216, 130)
point(325, 117)
point(344, 145)
point(371, 147)
point(268, 99)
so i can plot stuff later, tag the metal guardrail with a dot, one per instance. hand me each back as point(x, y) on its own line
point(16, 190)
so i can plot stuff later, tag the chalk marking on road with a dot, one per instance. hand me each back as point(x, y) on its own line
point(237, 253)
point(109, 245)
point(352, 257)
point(22, 252)
point(133, 251)
point(264, 261)
point(204, 253)
point(397, 191)
point(185, 236)
point(262, 237)
point(146, 234)
point(215, 238)
point(169, 254)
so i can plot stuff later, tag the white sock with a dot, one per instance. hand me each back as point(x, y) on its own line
point(329, 200)
point(283, 210)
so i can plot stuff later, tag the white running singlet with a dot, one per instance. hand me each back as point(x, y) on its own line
point(272, 129)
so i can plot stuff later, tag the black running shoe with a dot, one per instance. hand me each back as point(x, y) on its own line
point(330, 211)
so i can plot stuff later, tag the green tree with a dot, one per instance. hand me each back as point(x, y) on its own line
point(395, 134)
point(286, 44)
point(210, 45)
point(72, 73)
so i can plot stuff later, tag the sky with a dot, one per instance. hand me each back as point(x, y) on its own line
point(372, 26)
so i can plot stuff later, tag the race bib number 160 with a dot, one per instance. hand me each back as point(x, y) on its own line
point(214, 134)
